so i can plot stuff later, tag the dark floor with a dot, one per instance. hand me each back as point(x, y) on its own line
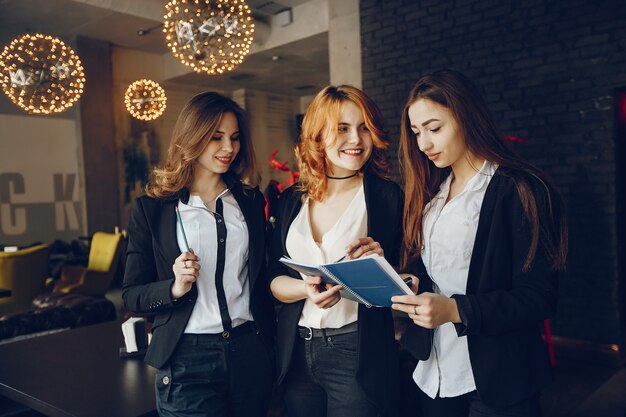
point(578, 386)
point(580, 389)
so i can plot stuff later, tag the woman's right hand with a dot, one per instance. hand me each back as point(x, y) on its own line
point(186, 270)
point(322, 299)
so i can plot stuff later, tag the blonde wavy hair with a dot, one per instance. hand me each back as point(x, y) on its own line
point(194, 128)
point(320, 124)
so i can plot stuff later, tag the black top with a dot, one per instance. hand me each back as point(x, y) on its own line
point(378, 361)
point(152, 249)
point(504, 307)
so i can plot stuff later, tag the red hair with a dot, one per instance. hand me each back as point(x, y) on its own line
point(321, 121)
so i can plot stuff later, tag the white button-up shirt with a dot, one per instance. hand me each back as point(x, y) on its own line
point(201, 231)
point(449, 235)
point(302, 247)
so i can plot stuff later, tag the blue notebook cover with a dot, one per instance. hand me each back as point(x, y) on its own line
point(371, 281)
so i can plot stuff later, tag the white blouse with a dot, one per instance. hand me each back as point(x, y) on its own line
point(449, 235)
point(201, 231)
point(301, 247)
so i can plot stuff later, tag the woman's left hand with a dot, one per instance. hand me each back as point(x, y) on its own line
point(363, 247)
point(428, 309)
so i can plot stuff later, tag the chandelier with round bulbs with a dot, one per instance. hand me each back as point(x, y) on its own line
point(209, 36)
point(41, 74)
point(145, 100)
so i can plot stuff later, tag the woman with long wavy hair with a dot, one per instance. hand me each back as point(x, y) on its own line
point(486, 236)
point(195, 258)
point(336, 357)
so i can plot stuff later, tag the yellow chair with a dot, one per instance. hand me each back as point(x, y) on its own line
point(96, 278)
point(24, 272)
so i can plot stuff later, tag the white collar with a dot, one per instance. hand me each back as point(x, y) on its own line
point(196, 201)
point(475, 183)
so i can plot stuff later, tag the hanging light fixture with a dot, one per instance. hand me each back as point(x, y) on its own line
point(41, 74)
point(209, 36)
point(145, 100)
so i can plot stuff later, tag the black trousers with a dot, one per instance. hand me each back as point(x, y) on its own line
point(209, 375)
point(470, 405)
point(322, 379)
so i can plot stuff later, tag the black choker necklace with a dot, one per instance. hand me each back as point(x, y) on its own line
point(342, 178)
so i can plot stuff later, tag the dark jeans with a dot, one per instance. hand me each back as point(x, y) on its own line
point(209, 375)
point(321, 381)
point(470, 405)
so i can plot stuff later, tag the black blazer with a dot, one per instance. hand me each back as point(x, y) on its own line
point(504, 307)
point(152, 249)
point(378, 361)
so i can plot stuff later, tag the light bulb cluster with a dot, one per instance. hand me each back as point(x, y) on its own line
point(41, 74)
point(145, 99)
point(209, 36)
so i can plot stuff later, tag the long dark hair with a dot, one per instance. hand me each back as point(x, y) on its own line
point(463, 99)
point(193, 131)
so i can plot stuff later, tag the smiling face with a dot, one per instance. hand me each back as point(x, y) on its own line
point(222, 148)
point(437, 133)
point(349, 146)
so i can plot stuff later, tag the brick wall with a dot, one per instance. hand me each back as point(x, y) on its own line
point(548, 70)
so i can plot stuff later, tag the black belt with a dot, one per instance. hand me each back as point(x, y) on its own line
point(308, 333)
point(242, 329)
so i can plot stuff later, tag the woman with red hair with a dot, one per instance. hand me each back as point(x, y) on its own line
point(336, 357)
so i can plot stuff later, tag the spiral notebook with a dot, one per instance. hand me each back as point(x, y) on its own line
point(370, 280)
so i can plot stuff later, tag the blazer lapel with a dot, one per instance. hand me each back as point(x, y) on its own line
point(374, 210)
point(482, 234)
point(165, 229)
point(288, 217)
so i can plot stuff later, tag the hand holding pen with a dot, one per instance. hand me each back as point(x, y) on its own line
point(186, 267)
point(368, 246)
point(362, 247)
point(325, 295)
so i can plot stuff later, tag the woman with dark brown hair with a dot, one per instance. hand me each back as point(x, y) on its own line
point(195, 258)
point(336, 357)
point(486, 236)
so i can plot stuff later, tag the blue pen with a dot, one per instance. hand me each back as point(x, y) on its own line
point(182, 228)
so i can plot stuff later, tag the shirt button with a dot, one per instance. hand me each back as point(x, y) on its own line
point(219, 220)
point(166, 380)
point(221, 240)
point(225, 335)
point(468, 254)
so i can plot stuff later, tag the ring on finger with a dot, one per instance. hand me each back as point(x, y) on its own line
point(415, 310)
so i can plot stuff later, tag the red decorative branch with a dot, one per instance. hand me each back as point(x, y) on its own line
point(282, 166)
point(516, 138)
